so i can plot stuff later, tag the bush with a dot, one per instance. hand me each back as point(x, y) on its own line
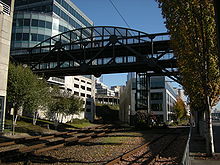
point(106, 113)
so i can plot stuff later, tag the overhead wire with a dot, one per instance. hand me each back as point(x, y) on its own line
point(119, 13)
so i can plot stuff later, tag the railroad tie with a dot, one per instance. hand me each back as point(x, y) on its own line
point(84, 139)
point(7, 143)
point(31, 148)
point(49, 148)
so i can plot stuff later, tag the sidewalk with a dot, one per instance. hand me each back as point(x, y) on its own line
point(197, 147)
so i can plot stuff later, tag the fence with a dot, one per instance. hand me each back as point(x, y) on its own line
point(185, 159)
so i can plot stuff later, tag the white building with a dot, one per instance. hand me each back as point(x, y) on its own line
point(82, 87)
point(162, 100)
point(102, 89)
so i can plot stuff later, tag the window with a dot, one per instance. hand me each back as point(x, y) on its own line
point(56, 10)
point(20, 22)
point(89, 83)
point(89, 89)
point(76, 85)
point(156, 96)
point(41, 24)
point(83, 81)
point(40, 37)
point(76, 93)
point(18, 36)
point(89, 96)
point(156, 107)
point(88, 103)
point(48, 25)
point(83, 94)
point(25, 37)
point(83, 87)
point(34, 23)
point(76, 79)
point(26, 22)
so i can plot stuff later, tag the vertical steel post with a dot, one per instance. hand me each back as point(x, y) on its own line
point(148, 92)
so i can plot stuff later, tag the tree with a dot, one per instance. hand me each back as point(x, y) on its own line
point(64, 104)
point(193, 34)
point(180, 109)
point(26, 91)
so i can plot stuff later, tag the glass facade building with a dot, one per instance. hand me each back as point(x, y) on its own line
point(162, 98)
point(37, 20)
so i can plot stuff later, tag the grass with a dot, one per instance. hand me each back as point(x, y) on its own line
point(25, 125)
point(115, 140)
point(81, 123)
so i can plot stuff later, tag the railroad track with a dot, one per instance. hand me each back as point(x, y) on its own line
point(147, 153)
point(38, 144)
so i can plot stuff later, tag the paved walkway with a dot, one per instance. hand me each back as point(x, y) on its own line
point(197, 147)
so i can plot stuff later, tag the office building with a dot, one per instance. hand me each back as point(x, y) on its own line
point(6, 13)
point(38, 20)
point(162, 100)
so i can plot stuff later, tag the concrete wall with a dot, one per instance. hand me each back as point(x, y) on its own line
point(5, 40)
point(127, 103)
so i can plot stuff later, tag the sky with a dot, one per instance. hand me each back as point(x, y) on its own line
point(143, 15)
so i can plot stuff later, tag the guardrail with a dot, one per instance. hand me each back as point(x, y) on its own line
point(6, 8)
point(185, 159)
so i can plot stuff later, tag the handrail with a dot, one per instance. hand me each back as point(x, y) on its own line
point(185, 159)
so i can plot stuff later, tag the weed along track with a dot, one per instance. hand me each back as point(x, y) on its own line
point(148, 153)
point(106, 145)
point(22, 147)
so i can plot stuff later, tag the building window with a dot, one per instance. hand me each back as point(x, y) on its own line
point(88, 103)
point(26, 22)
point(156, 96)
point(89, 83)
point(89, 96)
point(34, 22)
point(48, 25)
point(83, 81)
point(83, 87)
point(83, 94)
point(18, 36)
point(40, 37)
point(156, 107)
point(76, 79)
point(89, 89)
point(76, 85)
point(25, 37)
point(20, 22)
point(41, 24)
point(76, 93)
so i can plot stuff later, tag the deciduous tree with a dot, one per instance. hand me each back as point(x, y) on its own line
point(193, 34)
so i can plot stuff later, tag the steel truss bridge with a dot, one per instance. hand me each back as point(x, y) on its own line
point(100, 50)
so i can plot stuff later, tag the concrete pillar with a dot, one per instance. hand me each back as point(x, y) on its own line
point(5, 41)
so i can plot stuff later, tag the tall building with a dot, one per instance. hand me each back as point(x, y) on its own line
point(162, 100)
point(6, 14)
point(38, 20)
